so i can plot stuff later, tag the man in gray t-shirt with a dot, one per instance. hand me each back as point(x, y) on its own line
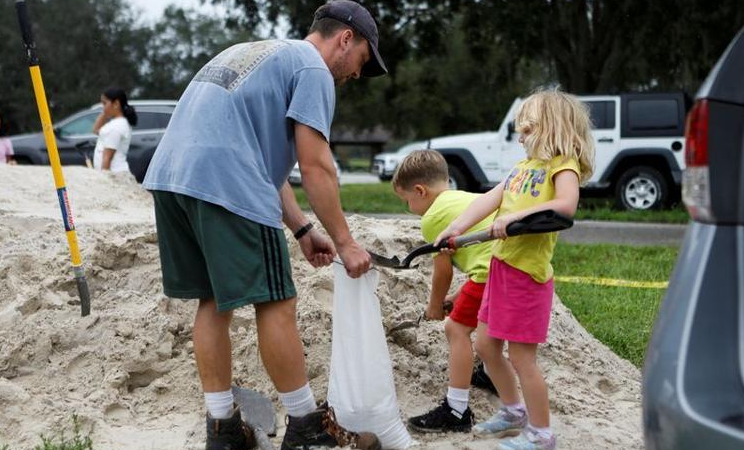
point(219, 181)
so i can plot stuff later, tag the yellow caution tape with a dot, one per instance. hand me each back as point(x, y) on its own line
point(614, 282)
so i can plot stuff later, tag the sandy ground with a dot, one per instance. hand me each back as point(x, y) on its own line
point(127, 370)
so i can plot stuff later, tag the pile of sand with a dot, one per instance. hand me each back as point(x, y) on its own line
point(127, 370)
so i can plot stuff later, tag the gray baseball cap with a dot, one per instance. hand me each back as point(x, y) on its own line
point(358, 18)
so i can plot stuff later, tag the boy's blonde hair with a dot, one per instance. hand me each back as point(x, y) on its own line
point(555, 123)
point(421, 167)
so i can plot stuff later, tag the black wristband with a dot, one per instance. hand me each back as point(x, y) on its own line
point(303, 231)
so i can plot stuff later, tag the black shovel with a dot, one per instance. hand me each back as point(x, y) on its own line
point(539, 222)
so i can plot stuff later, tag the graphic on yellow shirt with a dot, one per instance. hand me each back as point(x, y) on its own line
point(529, 184)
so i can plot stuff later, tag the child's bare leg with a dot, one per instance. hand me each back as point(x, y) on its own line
point(491, 351)
point(524, 359)
point(460, 354)
point(453, 414)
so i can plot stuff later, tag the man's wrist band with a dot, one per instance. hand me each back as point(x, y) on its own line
point(303, 231)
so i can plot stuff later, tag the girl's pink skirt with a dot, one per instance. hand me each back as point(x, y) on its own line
point(515, 307)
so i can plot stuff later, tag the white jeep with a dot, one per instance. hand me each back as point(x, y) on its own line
point(639, 142)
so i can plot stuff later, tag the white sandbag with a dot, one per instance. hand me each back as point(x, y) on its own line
point(361, 387)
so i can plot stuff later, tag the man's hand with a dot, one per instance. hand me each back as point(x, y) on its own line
point(317, 248)
point(355, 258)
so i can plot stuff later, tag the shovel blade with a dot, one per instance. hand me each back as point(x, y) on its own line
point(257, 409)
point(383, 261)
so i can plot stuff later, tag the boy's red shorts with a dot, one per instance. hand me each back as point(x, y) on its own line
point(466, 307)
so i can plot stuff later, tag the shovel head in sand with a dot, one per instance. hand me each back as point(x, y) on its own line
point(539, 222)
point(258, 412)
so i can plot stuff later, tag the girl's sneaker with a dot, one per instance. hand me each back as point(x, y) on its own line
point(503, 423)
point(528, 440)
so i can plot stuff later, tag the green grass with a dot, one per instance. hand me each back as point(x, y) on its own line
point(364, 198)
point(620, 317)
point(603, 209)
point(358, 164)
point(380, 198)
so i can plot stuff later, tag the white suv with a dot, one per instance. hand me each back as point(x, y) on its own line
point(384, 164)
point(639, 149)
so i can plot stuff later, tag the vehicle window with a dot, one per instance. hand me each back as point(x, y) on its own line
point(152, 120)
point(81, 125)
point(653, 114)
point(602, 114)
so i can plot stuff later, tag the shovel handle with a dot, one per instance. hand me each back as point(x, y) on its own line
point(26, 34)
point(468, 239)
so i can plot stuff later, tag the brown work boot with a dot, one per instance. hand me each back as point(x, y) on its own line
point(229, 434)
point(319, 428)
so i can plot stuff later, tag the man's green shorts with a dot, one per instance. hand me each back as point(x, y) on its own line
point(208, 252)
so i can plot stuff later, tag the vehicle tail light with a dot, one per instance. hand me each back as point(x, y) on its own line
point(696, 179)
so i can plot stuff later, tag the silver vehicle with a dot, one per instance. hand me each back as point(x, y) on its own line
point(693, 380)
point(295, 176)
point(75, 138)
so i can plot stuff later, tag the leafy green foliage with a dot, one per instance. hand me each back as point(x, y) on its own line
point(84, 46)
point(455, 65)
point(180, 44)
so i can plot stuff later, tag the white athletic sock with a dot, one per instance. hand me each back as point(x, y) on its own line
point(300, 402)
point(516, 408)
point(458, 399)
point(544, 433)
point(219, 404)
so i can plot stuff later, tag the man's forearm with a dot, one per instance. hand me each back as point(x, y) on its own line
point(292, 215)
point(322, 192)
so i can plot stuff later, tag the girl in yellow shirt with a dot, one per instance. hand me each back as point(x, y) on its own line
point(554, 129)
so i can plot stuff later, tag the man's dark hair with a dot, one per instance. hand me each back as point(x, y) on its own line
point(327, 27)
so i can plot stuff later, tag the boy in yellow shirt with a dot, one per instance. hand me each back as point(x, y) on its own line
point(422, 181)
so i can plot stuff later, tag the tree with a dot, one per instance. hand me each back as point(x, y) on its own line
point(182, 42)
point(77, 62)
point(609, 46)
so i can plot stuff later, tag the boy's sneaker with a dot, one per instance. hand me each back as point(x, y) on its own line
point(528, 440)
point(229, 434)
point(503, 423)
point(442, 418)
point(481, 379)
point(319, 428)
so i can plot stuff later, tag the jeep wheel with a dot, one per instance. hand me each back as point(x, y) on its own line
point(641, 188)
point(457, 179)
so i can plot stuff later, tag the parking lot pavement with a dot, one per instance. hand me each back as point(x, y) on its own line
point(626, 233)
point(358, 178)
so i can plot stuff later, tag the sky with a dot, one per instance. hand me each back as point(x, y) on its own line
point(153, 9)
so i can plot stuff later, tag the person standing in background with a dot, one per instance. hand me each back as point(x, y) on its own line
point(114, 129)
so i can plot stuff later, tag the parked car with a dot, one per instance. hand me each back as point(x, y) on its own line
point(384, 164)
point(693, 376)
point(295, 176)
point(639, 150)
point(75, 138)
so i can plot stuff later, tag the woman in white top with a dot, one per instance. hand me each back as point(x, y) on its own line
point(114, 129)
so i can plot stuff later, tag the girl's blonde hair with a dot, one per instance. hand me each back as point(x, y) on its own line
point(555, 123)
